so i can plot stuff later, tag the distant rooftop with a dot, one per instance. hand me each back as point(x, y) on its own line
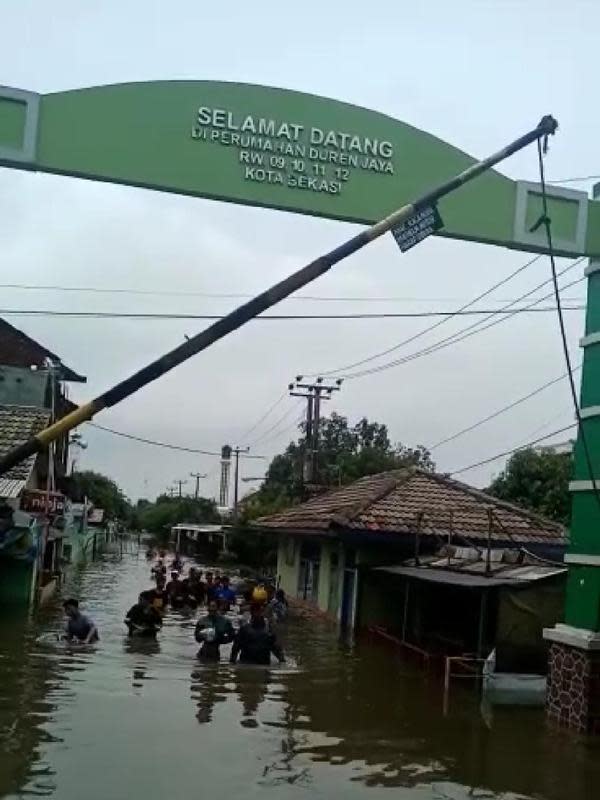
point(19, 350)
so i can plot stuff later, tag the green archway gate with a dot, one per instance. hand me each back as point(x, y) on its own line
point(275, 148)
point(307, 154)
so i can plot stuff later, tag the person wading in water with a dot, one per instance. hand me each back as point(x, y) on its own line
point(212, 631)
point(79, 626)
point(255, 641)
point(176, 591)
point(225, 594)
point(143, 619)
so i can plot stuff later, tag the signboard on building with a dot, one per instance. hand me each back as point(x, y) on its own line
point(96, 516)
point(38, 501)
point(421, 225)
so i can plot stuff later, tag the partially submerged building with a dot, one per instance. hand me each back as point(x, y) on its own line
point(34, 517)
point(426, 560)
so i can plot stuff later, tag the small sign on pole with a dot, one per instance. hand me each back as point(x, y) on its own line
point(425, 222)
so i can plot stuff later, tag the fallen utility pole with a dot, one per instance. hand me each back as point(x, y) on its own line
point(244, 313)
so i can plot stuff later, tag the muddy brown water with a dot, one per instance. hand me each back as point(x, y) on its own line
point(130, 720)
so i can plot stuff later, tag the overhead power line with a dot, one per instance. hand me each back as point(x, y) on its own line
point(423, 332)
point(232, 295)
point(151, 316)
point(265, 434)
point(278, 434)
point(552, 421)
point(155, 443)
point(500, 411)
point(513, 450)
point(576, 180)
point(475, 327)
point(261, 419)
point(465, 333)
point(449, 339)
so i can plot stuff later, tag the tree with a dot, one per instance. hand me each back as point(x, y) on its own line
point(538, 480)
point(345, 454)
point(99, 490)
point(159, 517)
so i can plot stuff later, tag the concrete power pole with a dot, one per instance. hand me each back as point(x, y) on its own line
point(180, 483)
point(197, 476)
point(314, 393)
point(236, 484)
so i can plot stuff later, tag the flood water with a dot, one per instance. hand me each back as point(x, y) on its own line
point(132, 720)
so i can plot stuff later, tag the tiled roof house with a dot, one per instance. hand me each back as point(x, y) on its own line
point(327, 545)
point(28, 390)
point(17, 424)
point(387, 506)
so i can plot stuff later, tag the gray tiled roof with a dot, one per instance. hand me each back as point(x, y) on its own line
point(17, 424)
point(390, 502)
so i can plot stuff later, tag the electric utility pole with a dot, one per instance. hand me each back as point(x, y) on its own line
point(236, 478)
point(180, 483)
point(197, 476)
point(314, 393)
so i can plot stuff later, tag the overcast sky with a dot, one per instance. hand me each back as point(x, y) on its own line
point(476, 74)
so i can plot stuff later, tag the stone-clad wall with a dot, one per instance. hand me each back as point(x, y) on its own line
point(573, 698)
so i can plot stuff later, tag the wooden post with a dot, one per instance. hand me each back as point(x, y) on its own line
point(417, 535)
point(405, 615)
point(482, 614)
point(489, 541)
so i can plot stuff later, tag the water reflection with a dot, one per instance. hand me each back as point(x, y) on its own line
point(209, 685)
point(147, 718)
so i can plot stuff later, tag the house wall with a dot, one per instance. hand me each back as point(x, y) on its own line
point(22, 387)
point(81, 544)
point(331, 577)
point(522, 616)
point(16, 579)
point(381, 601)
point(288, 567)
point(331, 571)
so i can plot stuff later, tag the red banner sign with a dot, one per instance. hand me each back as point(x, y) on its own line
point(35, 500)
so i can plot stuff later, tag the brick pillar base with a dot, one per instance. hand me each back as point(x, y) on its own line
point(573, 697)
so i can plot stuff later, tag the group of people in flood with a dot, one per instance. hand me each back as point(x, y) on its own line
point(245, 616)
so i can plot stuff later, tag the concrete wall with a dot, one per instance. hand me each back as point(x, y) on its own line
point(325, 565)
point(330, 578)
point(523, 613)
point(82, 545)
point(381, 601)
point(22, 387)
point(287, 567)
point(16, 579)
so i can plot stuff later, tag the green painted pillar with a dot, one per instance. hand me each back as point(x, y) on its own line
point(583, 592)
point(573, 698)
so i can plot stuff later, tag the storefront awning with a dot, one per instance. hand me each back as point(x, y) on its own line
point(449, 577)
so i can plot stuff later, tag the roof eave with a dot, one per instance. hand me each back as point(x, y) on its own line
point(70, 376)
